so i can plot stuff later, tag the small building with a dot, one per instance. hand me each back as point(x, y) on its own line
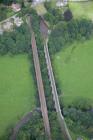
point(35, 2)
point(16, 7)
point(18, 21)
point(7, 26)
point(61, 3)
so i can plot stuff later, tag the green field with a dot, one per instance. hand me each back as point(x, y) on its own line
point(40, 9)
point(16, 90)
point(82, 9)
point(73, 68)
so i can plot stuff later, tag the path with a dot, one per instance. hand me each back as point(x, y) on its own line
point(22, 122)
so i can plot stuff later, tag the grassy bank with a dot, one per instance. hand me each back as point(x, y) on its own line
point(16, 90)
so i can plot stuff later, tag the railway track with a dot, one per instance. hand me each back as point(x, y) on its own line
point(40, 83)
point(55, 95)
point(44, 31)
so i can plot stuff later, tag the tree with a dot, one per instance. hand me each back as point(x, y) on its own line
point(83, 104)
point(48, 6)
point(68, 15)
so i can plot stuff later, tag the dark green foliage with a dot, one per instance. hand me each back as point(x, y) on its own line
point(68, 15)
point(53, 16)
point(3, 13)
point(27, 11)
point(67, 32)
point(6, 2)
point(15, 42)
point(83, 104)
point(1, 1)
point(48, 5)
point(33, 130)
point(30, 0)
point(35, 22)
point(19, 40)
point(55, 127)
point(80, 121)
point(49, 17)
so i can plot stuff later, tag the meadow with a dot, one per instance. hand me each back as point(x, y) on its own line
point(17, 91)
point(82, 9)
point(40, 9)
point(73, 68)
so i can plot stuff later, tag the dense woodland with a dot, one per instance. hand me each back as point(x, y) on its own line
point(67, 32)
point(15, 42)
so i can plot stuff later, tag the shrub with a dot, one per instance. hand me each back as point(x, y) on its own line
point(68, 15)
point(53, 16)
point(67, 32)
point(79, 121)
point(48, 5)
point(15, 42)
point(83, 104)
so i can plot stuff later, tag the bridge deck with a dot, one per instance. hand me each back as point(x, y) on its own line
point(40, 87)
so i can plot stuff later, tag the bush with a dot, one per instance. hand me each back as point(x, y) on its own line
point(48, 6)
point(67, 32)
point(3, 13)
point(15, 42)
point(49, 17)
point(79, 121)
point(68, 15)
point(54, 16)
point(33, 129)
point(83, 104)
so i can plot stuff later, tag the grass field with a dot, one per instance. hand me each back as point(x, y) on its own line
point(40, 9)
point(16, 90)
point(73, 68)
point(82, 9)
